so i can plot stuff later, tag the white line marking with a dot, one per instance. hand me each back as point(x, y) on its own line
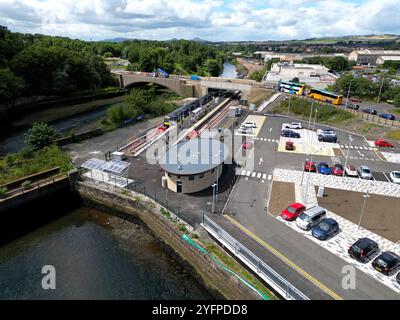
point(269, 177)
point(253, 174)
point(248, 173)
point(264, 176)
point(258, 175)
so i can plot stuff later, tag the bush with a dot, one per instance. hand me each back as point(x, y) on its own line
point(40, 135)
point(3, 191)
point(27, 184)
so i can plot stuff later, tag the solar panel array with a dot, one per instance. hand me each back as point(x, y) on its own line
point(116, 167)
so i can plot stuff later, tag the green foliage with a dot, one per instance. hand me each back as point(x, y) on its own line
point(40, 135)
point(10, 85)
point(165, 212)
point(332, 63)
point(3, 191)
point(326, 113)
point(258, 75)
point(27, 184)
point(40, 160)
point(214, 67)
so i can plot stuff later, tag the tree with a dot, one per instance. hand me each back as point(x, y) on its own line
point(213, 67)
point(40, 135)
point(10, 85)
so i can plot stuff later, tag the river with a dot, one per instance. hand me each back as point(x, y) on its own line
point(229, 70)
point(96, 256)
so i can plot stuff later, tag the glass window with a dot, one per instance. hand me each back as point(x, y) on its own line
point(191, 177)
point(201, 175)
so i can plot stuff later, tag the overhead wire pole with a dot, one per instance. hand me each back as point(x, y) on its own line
point(347, 155)
point(380, 90)
point(366, 196)
point(348, 94)
point(309, 120)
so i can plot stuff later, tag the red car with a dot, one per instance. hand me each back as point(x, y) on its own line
point(289, 145)
point(292, 212)
point(247, 145)
point(337, 169)
point(310, 166)
point(383, 143)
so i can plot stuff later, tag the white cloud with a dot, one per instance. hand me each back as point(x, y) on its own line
point(209, 19)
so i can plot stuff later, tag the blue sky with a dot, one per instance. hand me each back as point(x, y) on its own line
point(214, 20)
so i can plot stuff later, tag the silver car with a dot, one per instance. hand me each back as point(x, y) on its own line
point(365, 173)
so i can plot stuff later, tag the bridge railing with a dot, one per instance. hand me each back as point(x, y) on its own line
point(276, 281)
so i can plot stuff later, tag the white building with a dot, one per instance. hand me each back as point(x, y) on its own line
point(312, 74)
point(382, 59)
point(370, 57)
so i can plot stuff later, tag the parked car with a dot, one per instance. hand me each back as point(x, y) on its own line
point(383, 143)
point(325, 131)
point(247, 145)
point(363, 249)
point(386, 262)
point(245, 130)
point(310, 166)
point(395, 176)
point(311, 217)
point(323, 168)
point(327, 138)
point(249, 124)
point(351, 171)
point(387, 116)
point(370, 111)
point(292, 211)
point(365, 173)
point(327, 228)
point(289, 145)
point(294, 125)
point(353, 106)
point(290, 134)
point(337, 169)
point(355, 100)
point(398, 278)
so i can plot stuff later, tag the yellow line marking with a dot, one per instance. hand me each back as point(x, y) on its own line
point(377, 154)
point(285, 259)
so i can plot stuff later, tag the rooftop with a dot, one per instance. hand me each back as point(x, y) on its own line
point(194, 156)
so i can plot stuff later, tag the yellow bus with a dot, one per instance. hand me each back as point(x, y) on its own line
point(325, 96)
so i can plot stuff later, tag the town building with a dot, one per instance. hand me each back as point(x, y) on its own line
point(194, 165)
point(370, 57)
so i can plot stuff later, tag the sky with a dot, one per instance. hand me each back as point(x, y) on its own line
point(213, 20)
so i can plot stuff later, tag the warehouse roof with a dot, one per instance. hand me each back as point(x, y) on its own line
point(194, 156)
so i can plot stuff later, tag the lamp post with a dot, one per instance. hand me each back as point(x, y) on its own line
point(366, 196)
point(288, 109)
point(347, 155)
point(315, 118)
point(309, 120)
point(380, 90)
point(348, 94)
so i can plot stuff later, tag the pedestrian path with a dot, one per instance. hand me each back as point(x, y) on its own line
point(345, 146)
point(266, 140)
point(254, 174)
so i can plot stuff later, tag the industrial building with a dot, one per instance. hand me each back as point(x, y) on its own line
point(313, 74)
point(194, 165)
point(370, 57)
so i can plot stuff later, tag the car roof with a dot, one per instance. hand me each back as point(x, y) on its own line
point(351, 167)
point(296, 205)
point(314, 210)
point(389, 256)
point(323, 163)
point(364, 242)
point(330, 221)
point(364, 167)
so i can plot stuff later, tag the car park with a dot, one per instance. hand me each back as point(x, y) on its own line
point(383, 143)
point(365, 173)
point(245, 130)
point(386, 262)
point(289, 145)
point(292, 211)
point(337, 169)
point(290, 134)
point(351, 171)
point(398, 278)
point(249, 124)
point(387, 116)
point(323, 168)
point(310, 166)
point(294, 125)
point(395, 176)
point(370, 111)
point(327, 228)
point(311, 217)
point(363, 249)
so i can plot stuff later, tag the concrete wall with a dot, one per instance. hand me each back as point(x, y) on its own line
point(198, 184)
point(145, 210)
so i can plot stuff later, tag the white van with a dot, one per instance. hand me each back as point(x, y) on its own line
point(249, 124)
point(310, 218)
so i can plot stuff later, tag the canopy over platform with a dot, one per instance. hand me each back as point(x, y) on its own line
point(116, 167)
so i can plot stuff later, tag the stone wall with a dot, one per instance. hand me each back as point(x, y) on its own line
point(136, 207)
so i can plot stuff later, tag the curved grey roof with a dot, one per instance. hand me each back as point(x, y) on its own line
point(194, 156)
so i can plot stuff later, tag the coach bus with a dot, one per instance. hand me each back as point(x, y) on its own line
point(325, 96)
point(291, 87)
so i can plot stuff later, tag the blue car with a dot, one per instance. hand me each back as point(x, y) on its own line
point(323, 168)
point(387, 116)
point(327, 228)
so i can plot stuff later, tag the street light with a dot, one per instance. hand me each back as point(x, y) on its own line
point(309, 120)
point(348, 93)
point(366, 196)
point(288, 110)
point(380, 90)
point(347, 155)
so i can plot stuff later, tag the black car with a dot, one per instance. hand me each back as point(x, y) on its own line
point(327, 138)
point(398, 278)
point(386, 262)
point(370, 111)
point(290, 134)
point(363, 249)
point(327, 228)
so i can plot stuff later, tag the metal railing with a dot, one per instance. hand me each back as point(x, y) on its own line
point(280, 284)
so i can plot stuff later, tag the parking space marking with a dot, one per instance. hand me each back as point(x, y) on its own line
point(285, 259)
point(264, 176)
point(269, 177)
point(258, 175)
